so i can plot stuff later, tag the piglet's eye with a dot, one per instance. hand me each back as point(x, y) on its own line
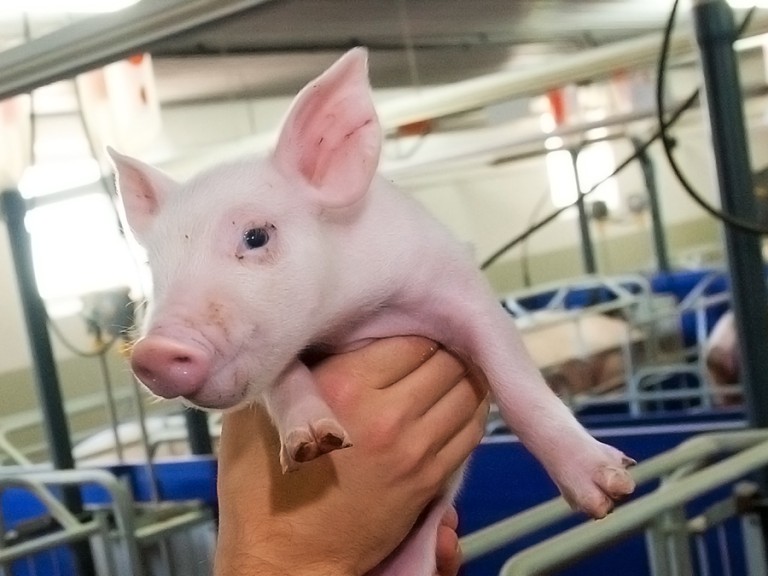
point(256, 238)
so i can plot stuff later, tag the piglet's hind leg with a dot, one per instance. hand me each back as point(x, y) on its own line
point(591, 475)
point(306, 424)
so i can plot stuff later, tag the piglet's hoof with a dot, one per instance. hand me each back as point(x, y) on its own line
point(594, 482)
point(305, 444)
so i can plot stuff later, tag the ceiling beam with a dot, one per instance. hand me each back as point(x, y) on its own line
point(101, 39)
point(591, 64)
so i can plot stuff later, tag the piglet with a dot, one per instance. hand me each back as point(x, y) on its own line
point(722, 358)
point(258, 260)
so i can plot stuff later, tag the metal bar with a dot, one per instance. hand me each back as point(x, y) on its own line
point(632, 517)
point(587, 247)
point(160, 529)
point(715, 34)
point(696, 449)
point(657, 228)
point(149, 453)
point(46, 376)
point(568, 69)
point(199, 437)
point(101, 39)
point(72, 535)
point(122, 503)
point(112, 413)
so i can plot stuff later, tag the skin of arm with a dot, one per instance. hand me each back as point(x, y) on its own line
point(414, 416)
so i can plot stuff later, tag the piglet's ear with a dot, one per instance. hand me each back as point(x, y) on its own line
point(142, 190)
point(331, 137)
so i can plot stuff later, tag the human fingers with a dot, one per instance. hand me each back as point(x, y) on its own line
point(426, 385)
point(455, 451)
point(452, 412)
point(451, 518)
point(448, 551)
point(344, 377)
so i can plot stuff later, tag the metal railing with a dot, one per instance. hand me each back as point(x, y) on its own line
point(647, 324)
point(74, 529)
point(684, 474)
point(116, 528)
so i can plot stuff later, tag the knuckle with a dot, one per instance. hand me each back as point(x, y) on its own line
point(412, 463)
point(341, 391)
point(384, 430)
point(433, 478)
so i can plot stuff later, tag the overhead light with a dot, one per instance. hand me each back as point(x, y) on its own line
point(751, 42)
point(57, 176)
point(65, 6)
point(748, 3)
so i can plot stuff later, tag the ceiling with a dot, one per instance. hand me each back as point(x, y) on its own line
point(273, 48)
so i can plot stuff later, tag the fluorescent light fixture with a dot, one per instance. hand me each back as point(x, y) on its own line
point(51, 177)
point(751, 42)
point(65, 6)
point(748, 3)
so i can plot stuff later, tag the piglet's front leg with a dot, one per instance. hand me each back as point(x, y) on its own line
point(306, 424)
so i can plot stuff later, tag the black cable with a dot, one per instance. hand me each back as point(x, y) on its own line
point(626, 162)
point(59, 334)
point(736, 222)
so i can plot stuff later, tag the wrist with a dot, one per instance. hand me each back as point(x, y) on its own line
point(249, 565)
point(263, 558)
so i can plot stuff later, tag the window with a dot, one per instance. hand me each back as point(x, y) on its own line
point(595, 162)
point(77, 245)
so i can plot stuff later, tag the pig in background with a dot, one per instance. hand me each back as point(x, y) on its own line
point(723, 360)
point(258, 260)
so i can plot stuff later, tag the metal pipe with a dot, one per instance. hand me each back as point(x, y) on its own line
point(72, 535)
point(715, 31)
point(587, 247)
point(657, 226)
point(46, 376)
point(199, 436)
point(589, 64)
point(581, 540)
point(715, 34)
point(694, 450)
point(122, 503)
point(105, 38)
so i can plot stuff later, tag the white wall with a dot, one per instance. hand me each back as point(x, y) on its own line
point(483, 204)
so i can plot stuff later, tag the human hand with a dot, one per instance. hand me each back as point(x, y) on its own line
point(413, 417)
point(448, 552)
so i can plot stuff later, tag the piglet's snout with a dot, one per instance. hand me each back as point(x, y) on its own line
point(170, 368)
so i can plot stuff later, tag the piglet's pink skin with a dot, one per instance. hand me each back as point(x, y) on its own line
point(257, 260)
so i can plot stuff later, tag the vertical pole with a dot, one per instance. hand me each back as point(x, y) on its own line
point(46, 377)
point(587, 248)
point(715, 33)
point(657, 226)
point(197, 432)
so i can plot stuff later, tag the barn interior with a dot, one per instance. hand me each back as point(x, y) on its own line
point(605, 162)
